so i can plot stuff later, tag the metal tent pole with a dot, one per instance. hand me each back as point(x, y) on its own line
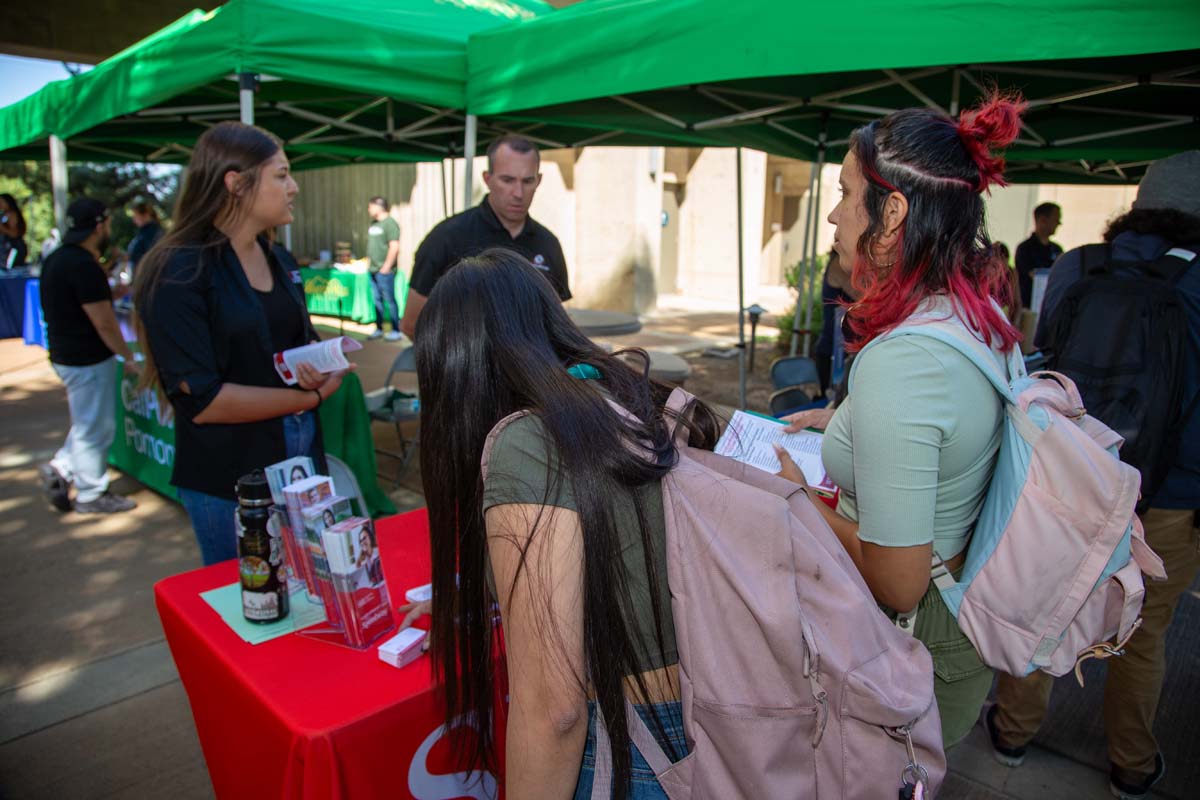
point(812, 267)
point(808, 227)
point(469, 158)
point(741, 290)
point(58, 182)
point(445, 199)
point(247, 86)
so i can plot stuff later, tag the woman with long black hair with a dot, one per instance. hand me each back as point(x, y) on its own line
point(566, 533)
point(215, 300)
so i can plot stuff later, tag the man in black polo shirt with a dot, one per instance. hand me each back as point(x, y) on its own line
point(1038, 252)
point(501, 220)
point(82, 334)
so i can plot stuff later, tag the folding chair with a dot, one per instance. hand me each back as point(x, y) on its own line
point(389, 404)
point(345, 484)
point(794, 371)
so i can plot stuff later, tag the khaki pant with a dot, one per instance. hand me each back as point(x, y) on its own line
point(1135, 679)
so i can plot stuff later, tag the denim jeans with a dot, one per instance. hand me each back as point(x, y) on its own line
point(92, 400)
point(643, 784)
point(214, 519)
point(383, 290)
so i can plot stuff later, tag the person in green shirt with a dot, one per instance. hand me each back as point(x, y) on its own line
point(383, 251)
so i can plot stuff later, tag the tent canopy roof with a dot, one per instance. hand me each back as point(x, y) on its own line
point(344, 81)
point(1103, 99)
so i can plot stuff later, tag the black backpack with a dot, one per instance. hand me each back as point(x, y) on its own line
point(1121, 333)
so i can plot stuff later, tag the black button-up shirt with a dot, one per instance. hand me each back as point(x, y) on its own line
point(1032, 254)
point(477, 229)
point(206, 326)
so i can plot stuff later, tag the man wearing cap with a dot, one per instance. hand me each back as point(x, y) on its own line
point(501, 220)
point(1164, 222)
point(83, 335)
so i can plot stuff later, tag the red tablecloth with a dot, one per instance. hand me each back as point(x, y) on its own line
point(298, 718)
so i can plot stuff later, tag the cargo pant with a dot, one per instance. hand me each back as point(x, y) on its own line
point(1135, 679)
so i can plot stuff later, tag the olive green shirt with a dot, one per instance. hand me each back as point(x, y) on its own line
point(379, 235)
point(522, 468)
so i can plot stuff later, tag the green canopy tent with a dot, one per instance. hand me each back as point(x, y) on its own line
point(343, 82)
point(1111, 86)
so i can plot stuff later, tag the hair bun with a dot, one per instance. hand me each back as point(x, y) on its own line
point(995, 123)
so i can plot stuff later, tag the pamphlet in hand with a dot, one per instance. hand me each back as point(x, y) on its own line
point(749, 439)
point(326, 356)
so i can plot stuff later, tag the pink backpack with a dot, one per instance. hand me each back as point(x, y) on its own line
point(1053, 573)
point(794, 683)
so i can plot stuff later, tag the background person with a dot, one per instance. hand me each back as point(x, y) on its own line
point(565, 538)
point(500, 220)
point(84, 338)
point(149, 231)
point(215, 301)
point(1165, 216)
point(383, 253)
point(914, 446)
point(13, 250)
point(1038, 252)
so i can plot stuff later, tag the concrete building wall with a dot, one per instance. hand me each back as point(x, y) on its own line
point(607, 204)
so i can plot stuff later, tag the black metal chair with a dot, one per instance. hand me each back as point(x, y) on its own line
point(392, 405)
point(794, 371)
point(789, 399)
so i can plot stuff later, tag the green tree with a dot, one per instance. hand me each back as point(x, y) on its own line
point(115, 185)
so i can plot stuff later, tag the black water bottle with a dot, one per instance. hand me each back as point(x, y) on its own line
point(260, 555)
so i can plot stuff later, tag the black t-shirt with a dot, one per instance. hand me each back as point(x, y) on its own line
point(285, 320)
point(1032, 254)
point(477, 229)
point(70, 279)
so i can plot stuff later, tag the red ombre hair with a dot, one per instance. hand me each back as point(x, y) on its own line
point(941, 167)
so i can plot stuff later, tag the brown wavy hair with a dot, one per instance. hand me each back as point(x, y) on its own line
point(204, 198)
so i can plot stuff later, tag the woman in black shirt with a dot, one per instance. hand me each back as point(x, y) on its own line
point(12, 233)
point(215, 301)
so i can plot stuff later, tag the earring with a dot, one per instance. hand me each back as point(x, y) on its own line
point(871, 244)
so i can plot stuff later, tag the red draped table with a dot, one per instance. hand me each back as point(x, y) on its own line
point(299, 718)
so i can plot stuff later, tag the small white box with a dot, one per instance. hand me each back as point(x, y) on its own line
point(403, 648)
point(419, 594)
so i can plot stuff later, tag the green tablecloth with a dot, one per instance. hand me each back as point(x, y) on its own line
point(338, 293)
point(144, 447)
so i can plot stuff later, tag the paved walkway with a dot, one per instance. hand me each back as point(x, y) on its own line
point(90, 703)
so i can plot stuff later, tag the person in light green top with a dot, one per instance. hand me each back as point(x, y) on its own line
point(914, 445)
point(383, 253)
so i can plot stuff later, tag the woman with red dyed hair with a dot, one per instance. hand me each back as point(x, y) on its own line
point(914, 446)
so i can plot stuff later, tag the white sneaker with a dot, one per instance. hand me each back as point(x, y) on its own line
point(393, 336)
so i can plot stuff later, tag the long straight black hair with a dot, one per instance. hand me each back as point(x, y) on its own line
point(494, 339)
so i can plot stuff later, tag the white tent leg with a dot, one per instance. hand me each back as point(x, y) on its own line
point(812, 270)
point(741, 290)
point(58, 181)
point(808, 231)
point(469, 158)
point(247, 86)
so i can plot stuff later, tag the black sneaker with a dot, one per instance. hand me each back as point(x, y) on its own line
point(1121, 786)
point(107, 503)
point(56, 487)
point(1008, 756)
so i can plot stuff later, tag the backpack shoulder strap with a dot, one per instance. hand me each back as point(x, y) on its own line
point(1094, 259)
point(953, 333)
point(1177, 261)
